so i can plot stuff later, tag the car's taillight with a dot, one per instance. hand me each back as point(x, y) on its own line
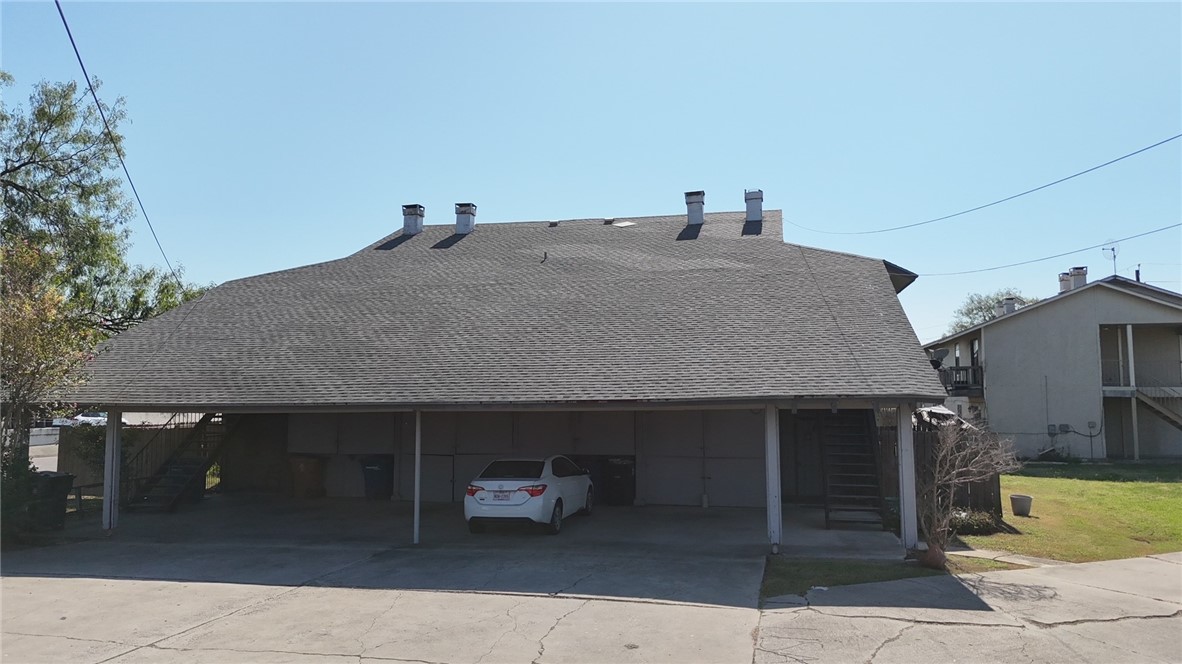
point(472, 489)
point(535, 490)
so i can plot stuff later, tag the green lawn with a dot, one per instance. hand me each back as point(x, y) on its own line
point(1087, 512)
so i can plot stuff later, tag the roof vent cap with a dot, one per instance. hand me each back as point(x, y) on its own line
point(754, 199)
point(694, 204)
point(465, 218)
point(412, 219)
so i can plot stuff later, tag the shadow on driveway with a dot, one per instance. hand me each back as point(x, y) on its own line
point(710, 557)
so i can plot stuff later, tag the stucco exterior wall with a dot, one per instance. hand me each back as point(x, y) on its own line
point(1043, 367)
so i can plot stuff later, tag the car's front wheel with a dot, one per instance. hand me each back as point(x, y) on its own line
point(555, 525)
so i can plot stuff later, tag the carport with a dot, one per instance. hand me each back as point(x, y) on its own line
point(707, 457)
point(672, 344)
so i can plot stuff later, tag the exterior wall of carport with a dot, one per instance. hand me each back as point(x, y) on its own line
point(681, 455)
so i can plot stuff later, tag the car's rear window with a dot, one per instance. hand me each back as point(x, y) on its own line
point(514, 470)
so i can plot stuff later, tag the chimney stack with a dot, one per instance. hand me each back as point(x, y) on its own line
point(1079, 277)
point(754, 198)
point(1009, 305)
point(1064, 282)
point(694, 202)
point(465, 218)
point(999, 309)
point(412, 219)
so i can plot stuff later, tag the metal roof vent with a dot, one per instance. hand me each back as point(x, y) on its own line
point(754, 199)
point(412, 219)
point(623, 224)
point(465, 218)
point(694, 203)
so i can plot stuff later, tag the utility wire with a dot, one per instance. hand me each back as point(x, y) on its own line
point(982, 207)
point(119, 153)
point(1047, 258)
point(118, 150)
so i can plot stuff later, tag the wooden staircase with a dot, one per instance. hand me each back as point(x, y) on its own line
point(182, 477)
point(1157, 404)
point(849, 464)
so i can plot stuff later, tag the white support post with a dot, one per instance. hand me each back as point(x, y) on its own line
point(112, 460)
point(908, 516)
point(418, 470)
point(1133, 398)
point(775, 519)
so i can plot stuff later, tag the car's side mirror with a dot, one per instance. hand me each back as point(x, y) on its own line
point(584, 471)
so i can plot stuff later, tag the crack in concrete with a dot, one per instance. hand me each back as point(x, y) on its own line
point(917, 621)
point(785, 656)
point(889, 642)
point(1166, 560)
point(245, 651)
point(1120, 592)
point(1089, 621)
point(373, 623)
point(542, 641)
point(508, 614)
point(71, 638)
point(1110, 644)
point(260, 602)
point(580, 580)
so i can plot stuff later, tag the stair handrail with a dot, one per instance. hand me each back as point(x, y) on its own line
point(208, 456)
point(132, 469)
point(197, 431)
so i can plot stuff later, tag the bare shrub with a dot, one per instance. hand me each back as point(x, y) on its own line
point(961, 455)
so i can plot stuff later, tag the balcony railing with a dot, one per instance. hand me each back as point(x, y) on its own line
point(963, 381)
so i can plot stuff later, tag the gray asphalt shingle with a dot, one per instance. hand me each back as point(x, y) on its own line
point(531, 313)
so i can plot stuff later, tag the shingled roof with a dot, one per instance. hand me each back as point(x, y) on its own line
point(575, 312)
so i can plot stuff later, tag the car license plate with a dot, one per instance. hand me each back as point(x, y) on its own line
point(502, 495)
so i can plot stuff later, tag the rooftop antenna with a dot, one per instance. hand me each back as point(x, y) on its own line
point(1114, 249)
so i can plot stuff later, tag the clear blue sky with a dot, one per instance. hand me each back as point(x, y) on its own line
point(267, 136)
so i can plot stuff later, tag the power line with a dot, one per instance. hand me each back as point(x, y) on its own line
point(982, 207)
point(1047, 258)
point(118, 150)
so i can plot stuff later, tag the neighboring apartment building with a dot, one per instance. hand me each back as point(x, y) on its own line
point(1093, 372)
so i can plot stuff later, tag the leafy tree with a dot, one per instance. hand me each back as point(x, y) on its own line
point(979, 307)
point(65, 284)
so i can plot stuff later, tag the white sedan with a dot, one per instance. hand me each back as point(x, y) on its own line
point(538, 490)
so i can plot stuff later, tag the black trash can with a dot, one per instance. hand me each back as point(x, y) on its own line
point(51, 491)
point(619, 487)
point(379, 477)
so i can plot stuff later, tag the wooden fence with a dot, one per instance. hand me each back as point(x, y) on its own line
point(982, 496)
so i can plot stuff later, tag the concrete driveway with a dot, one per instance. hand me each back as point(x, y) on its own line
point(1114, 611)
point(257, 582)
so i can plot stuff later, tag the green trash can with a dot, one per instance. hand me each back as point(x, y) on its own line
point(51, 491)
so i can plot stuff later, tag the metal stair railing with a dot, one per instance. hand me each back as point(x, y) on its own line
point(151, 457)
point(188, 462)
